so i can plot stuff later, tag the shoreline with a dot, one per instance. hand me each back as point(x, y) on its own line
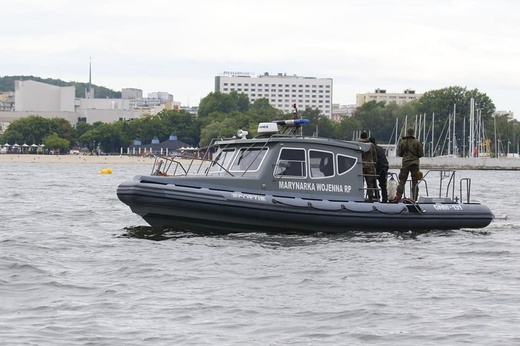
point(76, 159)
point(449, 163)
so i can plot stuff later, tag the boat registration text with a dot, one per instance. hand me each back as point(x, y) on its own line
point(319, 187)
point(447, 207)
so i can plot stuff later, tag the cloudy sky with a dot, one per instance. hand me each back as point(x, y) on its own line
point(180, 46)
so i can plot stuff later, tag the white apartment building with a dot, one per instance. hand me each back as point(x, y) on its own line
point(380, 95)
point(281, 90)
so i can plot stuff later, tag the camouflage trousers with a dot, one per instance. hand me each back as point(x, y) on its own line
point(413, 171)
point(369, 173)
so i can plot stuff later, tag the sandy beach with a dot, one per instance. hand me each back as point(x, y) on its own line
point(80, 159)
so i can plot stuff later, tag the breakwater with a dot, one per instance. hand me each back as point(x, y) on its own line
point(482, 163)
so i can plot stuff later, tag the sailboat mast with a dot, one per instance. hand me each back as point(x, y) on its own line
point(449, 135)
point(454, 137)
point(396, 131)
point(495, 130)
point(424, 128)
point(433, 135)
point(471, 127)
point(464, 137)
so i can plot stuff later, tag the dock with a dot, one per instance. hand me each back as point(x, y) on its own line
point(458, 163)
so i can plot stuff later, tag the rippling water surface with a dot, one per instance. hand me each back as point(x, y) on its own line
point(78, 268)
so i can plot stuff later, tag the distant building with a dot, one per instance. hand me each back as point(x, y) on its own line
point(104, 110)
point(168, 105)
point(281, 90)
point(343, 111)
point(161, 96)
point(32, 96)
point(50, 101)
point(7, 101)
point(380, 95)
point(508, 114)
point(192, 110)
point(168, 147)
point(150, 105)
point(131, 93)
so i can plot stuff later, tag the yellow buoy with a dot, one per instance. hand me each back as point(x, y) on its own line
point(106, 171)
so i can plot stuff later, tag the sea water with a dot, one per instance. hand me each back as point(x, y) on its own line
point(77, 267)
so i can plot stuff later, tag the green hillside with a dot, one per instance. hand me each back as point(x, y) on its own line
point(7, 84)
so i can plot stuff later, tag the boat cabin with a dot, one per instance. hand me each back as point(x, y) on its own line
point(288, 163)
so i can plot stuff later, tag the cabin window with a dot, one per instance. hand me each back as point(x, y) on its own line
point(291, 163)
point(321, 163)
point(248, 159)
point(345, 163)
point(222, 160)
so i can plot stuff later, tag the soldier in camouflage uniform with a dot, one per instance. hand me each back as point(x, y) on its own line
point(369, 159)
point(381, 171)
point(411, 150)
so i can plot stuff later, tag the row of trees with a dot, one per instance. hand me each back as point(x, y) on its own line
point(58, 133)
point(221, 115)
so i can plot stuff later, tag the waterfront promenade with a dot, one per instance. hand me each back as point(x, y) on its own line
point(79, 159)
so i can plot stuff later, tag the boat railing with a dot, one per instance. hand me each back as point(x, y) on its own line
point(446, 186)
point(465, 185)
point(178, 165)
point(368, 191)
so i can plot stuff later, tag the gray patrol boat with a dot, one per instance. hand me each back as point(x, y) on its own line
point(281, 181)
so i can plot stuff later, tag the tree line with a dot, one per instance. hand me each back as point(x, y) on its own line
point(221, 115)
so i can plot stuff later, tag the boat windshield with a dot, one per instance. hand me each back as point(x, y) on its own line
point(222, 160)
point(248, 159)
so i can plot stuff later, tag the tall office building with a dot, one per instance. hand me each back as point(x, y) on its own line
point(281, 90)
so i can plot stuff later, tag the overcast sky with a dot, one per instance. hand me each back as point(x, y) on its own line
point(180, 46)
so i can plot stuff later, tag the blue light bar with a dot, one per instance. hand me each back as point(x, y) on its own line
point(292, 122)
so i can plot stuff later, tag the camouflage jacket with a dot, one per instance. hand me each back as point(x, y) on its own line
point(369, 157)
point(410, 149)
